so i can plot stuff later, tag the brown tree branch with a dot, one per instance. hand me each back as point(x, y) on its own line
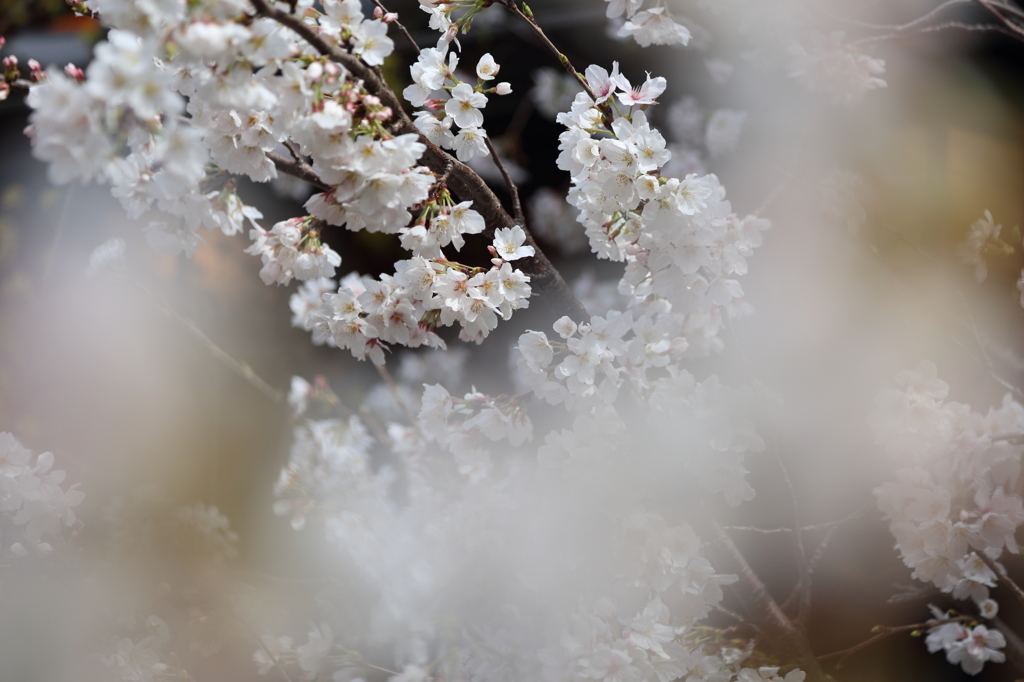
point(302, 172)
point(517, 208)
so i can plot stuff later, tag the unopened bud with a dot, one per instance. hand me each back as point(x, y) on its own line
point(377, 12)
point(434, 104)
point(315, 71)
point(503, 89)
point(390, 17)
point(75, 73)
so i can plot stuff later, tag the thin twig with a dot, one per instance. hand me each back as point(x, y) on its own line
point(266, 650)
point(899, 27)
point(995, 8)
point(58, 233)
point(1002, 575)
point(803, 585)
point(885, 631)
point(994, 28)
point(240, 368)
point(562, 59)
point(817, 526)
point(393, 388)
point(517, 208)
point(402, 28)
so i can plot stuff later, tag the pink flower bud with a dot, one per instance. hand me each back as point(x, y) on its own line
point(3, 41)
point(503, 88)
point(75, 73)
point(332, 69)
point(434, 104)
point(377, 12)
point(390, 17)
point(314, 71)
point(10, 63)
point(371, 100)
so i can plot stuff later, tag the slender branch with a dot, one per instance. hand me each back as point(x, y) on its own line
point(1014, 646)
point(818, 526)
point(517, 208)
point(240, 368)
point(393, 388)
point(995, 8)
point(563, 60)
point(405, 32)
point(803, 586)
point(787, 640)
point(1001, 573)
point(913, 593)
point(266, 650)
point(812, 565)
point(885, 631)
point(900, 27)
point(994, 28)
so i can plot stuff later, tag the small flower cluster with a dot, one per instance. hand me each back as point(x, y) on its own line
point(652, 26)
point(433, 69)
point(971, 647)
point(423, 294)
point(292, 248)
point(31, 496)
point(827, 64)
point(981, 240)
point(495, 419)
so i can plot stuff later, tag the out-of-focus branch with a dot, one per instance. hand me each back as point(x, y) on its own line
point(803, 586)
point(1014, 646)
point(785, 638)
point(553, 290)
point(884, 631)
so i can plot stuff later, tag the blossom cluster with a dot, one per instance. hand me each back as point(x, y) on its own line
point(31, 496)
point(651, 26)
point(953, 509)
point(434, 67)
point(970, 647)
point(682, 244)
point(827, 63)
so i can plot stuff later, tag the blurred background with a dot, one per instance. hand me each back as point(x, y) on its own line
point(858, 279)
